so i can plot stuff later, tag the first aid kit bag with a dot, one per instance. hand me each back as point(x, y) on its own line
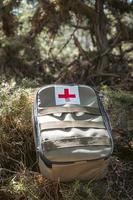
point(72, 132)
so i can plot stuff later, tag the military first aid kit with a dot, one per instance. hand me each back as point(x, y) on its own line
point(72, 133)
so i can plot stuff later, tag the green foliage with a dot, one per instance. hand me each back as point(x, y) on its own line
point(119, 96)
point(24, 15)
point(83, 190)
point(16, 141)
point(29, 83)
point(36, 35)
point(119, 105)
point(14, 100)
point(24, 185)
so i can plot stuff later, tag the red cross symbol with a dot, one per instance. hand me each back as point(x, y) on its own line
point(66, 95)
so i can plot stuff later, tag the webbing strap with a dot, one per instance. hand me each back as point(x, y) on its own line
point(76, 142)
point(71, 109)
point(71, 124)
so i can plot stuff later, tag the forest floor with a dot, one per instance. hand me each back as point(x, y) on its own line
point(19, 174)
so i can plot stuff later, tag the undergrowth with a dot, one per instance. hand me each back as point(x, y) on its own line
point(19, 174)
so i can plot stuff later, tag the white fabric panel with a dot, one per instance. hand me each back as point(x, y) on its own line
point(72, 90)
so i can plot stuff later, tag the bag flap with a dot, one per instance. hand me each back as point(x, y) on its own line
point(55, 95)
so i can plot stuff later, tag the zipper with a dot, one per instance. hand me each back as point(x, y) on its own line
point(105, 119)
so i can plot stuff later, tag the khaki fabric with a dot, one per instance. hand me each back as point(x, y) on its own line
point(72, 132)
point(79, 170)
point(69, 109)
point(70, 124)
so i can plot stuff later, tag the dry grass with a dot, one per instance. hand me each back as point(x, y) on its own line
point(19, 175)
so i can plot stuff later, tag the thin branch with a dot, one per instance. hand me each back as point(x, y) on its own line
point(8, 170)
point(128, 50)
point(10, 158)
point(109, 49)
point(105, 74)
point(80, 27)
point(130, 60)
point(81, 50)
point(112, 45)
point(67, 42)
point(79, 7)
point(64, 69)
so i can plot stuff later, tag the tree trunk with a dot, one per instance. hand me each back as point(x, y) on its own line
point(100, 29)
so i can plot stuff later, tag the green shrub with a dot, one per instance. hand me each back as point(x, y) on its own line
point(16, 138)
